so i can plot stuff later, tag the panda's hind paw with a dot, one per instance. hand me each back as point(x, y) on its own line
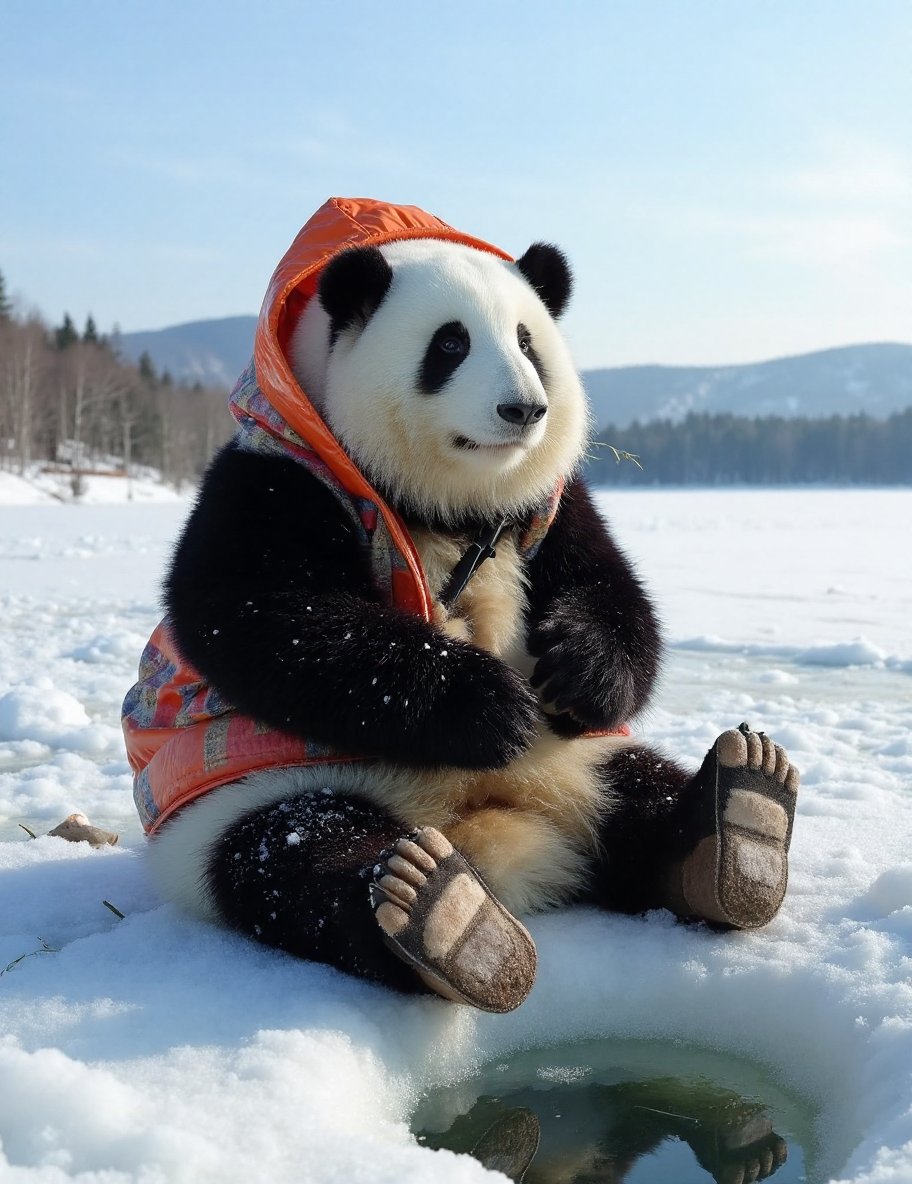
point(736, 874)
point(438, 915)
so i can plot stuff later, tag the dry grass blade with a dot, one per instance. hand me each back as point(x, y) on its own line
point(45, 949)
point(619, 454)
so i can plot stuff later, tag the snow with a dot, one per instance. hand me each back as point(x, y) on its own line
point(38, 487)
point(42, 713)
point(159, 1049)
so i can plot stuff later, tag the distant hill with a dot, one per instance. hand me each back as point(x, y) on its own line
point(873, 378)
point(211, 352)
point(876, 379)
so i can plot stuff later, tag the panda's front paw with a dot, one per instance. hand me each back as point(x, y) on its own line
point(491, 711)
point(580, 672)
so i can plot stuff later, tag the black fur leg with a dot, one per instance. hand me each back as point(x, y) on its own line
point(295, 875)
point(650, 828)
point(712, 845)
point(737, 872)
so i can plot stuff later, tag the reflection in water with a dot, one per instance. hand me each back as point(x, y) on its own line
point(568, 1128)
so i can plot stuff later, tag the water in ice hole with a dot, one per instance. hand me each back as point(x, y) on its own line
point(637, 1112)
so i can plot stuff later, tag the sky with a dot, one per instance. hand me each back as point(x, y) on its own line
point(731, 179)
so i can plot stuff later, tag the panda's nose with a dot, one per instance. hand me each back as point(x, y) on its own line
point(522, 414)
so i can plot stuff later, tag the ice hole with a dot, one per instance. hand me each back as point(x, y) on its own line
point(631, 1112)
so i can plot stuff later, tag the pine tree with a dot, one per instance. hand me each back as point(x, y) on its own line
point(147, 369)
point(90, 333)
point(6, 308)
point(66, 335)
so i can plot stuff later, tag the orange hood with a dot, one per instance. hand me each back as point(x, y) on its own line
point(339, 224)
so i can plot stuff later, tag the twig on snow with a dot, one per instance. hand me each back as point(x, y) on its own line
point(45, 949)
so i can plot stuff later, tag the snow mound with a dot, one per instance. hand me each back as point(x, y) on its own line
point(102, 648)
point(42, 712)
point(776, 677)
point(890, 892)
point(858, 652)
point(17, 491)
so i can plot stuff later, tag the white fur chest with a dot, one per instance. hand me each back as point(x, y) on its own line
point(491, 611)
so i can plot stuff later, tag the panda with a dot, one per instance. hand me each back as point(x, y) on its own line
point(458, 767)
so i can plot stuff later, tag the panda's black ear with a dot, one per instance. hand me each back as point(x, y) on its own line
point(547, 270)
point(352, 286)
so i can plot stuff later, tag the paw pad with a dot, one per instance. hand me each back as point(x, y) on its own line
point(737, 874)
point(440, 917)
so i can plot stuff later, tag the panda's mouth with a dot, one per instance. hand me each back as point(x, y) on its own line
point(466, 445)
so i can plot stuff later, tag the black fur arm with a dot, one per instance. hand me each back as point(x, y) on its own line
point(270, 598)
point(591, 624)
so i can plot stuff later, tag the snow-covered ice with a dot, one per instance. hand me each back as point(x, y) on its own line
point(103, 486)
point(156, 1048)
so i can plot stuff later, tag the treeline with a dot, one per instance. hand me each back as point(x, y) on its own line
point(736, 450)
point(69, 402)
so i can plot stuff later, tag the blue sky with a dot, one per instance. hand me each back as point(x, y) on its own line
point(732, 179)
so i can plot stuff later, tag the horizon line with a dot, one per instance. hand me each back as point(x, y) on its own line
point(603, 366)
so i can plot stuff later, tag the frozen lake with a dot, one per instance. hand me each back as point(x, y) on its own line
point(155, 1048)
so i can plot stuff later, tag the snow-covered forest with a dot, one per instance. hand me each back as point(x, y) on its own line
point(69, 404)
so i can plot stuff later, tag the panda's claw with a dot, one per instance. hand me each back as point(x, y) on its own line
point(545, 638)
point(548, 667)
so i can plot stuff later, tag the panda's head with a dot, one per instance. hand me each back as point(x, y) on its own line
point(441, 371)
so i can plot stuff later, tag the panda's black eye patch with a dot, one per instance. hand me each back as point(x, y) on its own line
point(452, 338)
point(453, 345)
point(446, 350)
point(524, 338)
